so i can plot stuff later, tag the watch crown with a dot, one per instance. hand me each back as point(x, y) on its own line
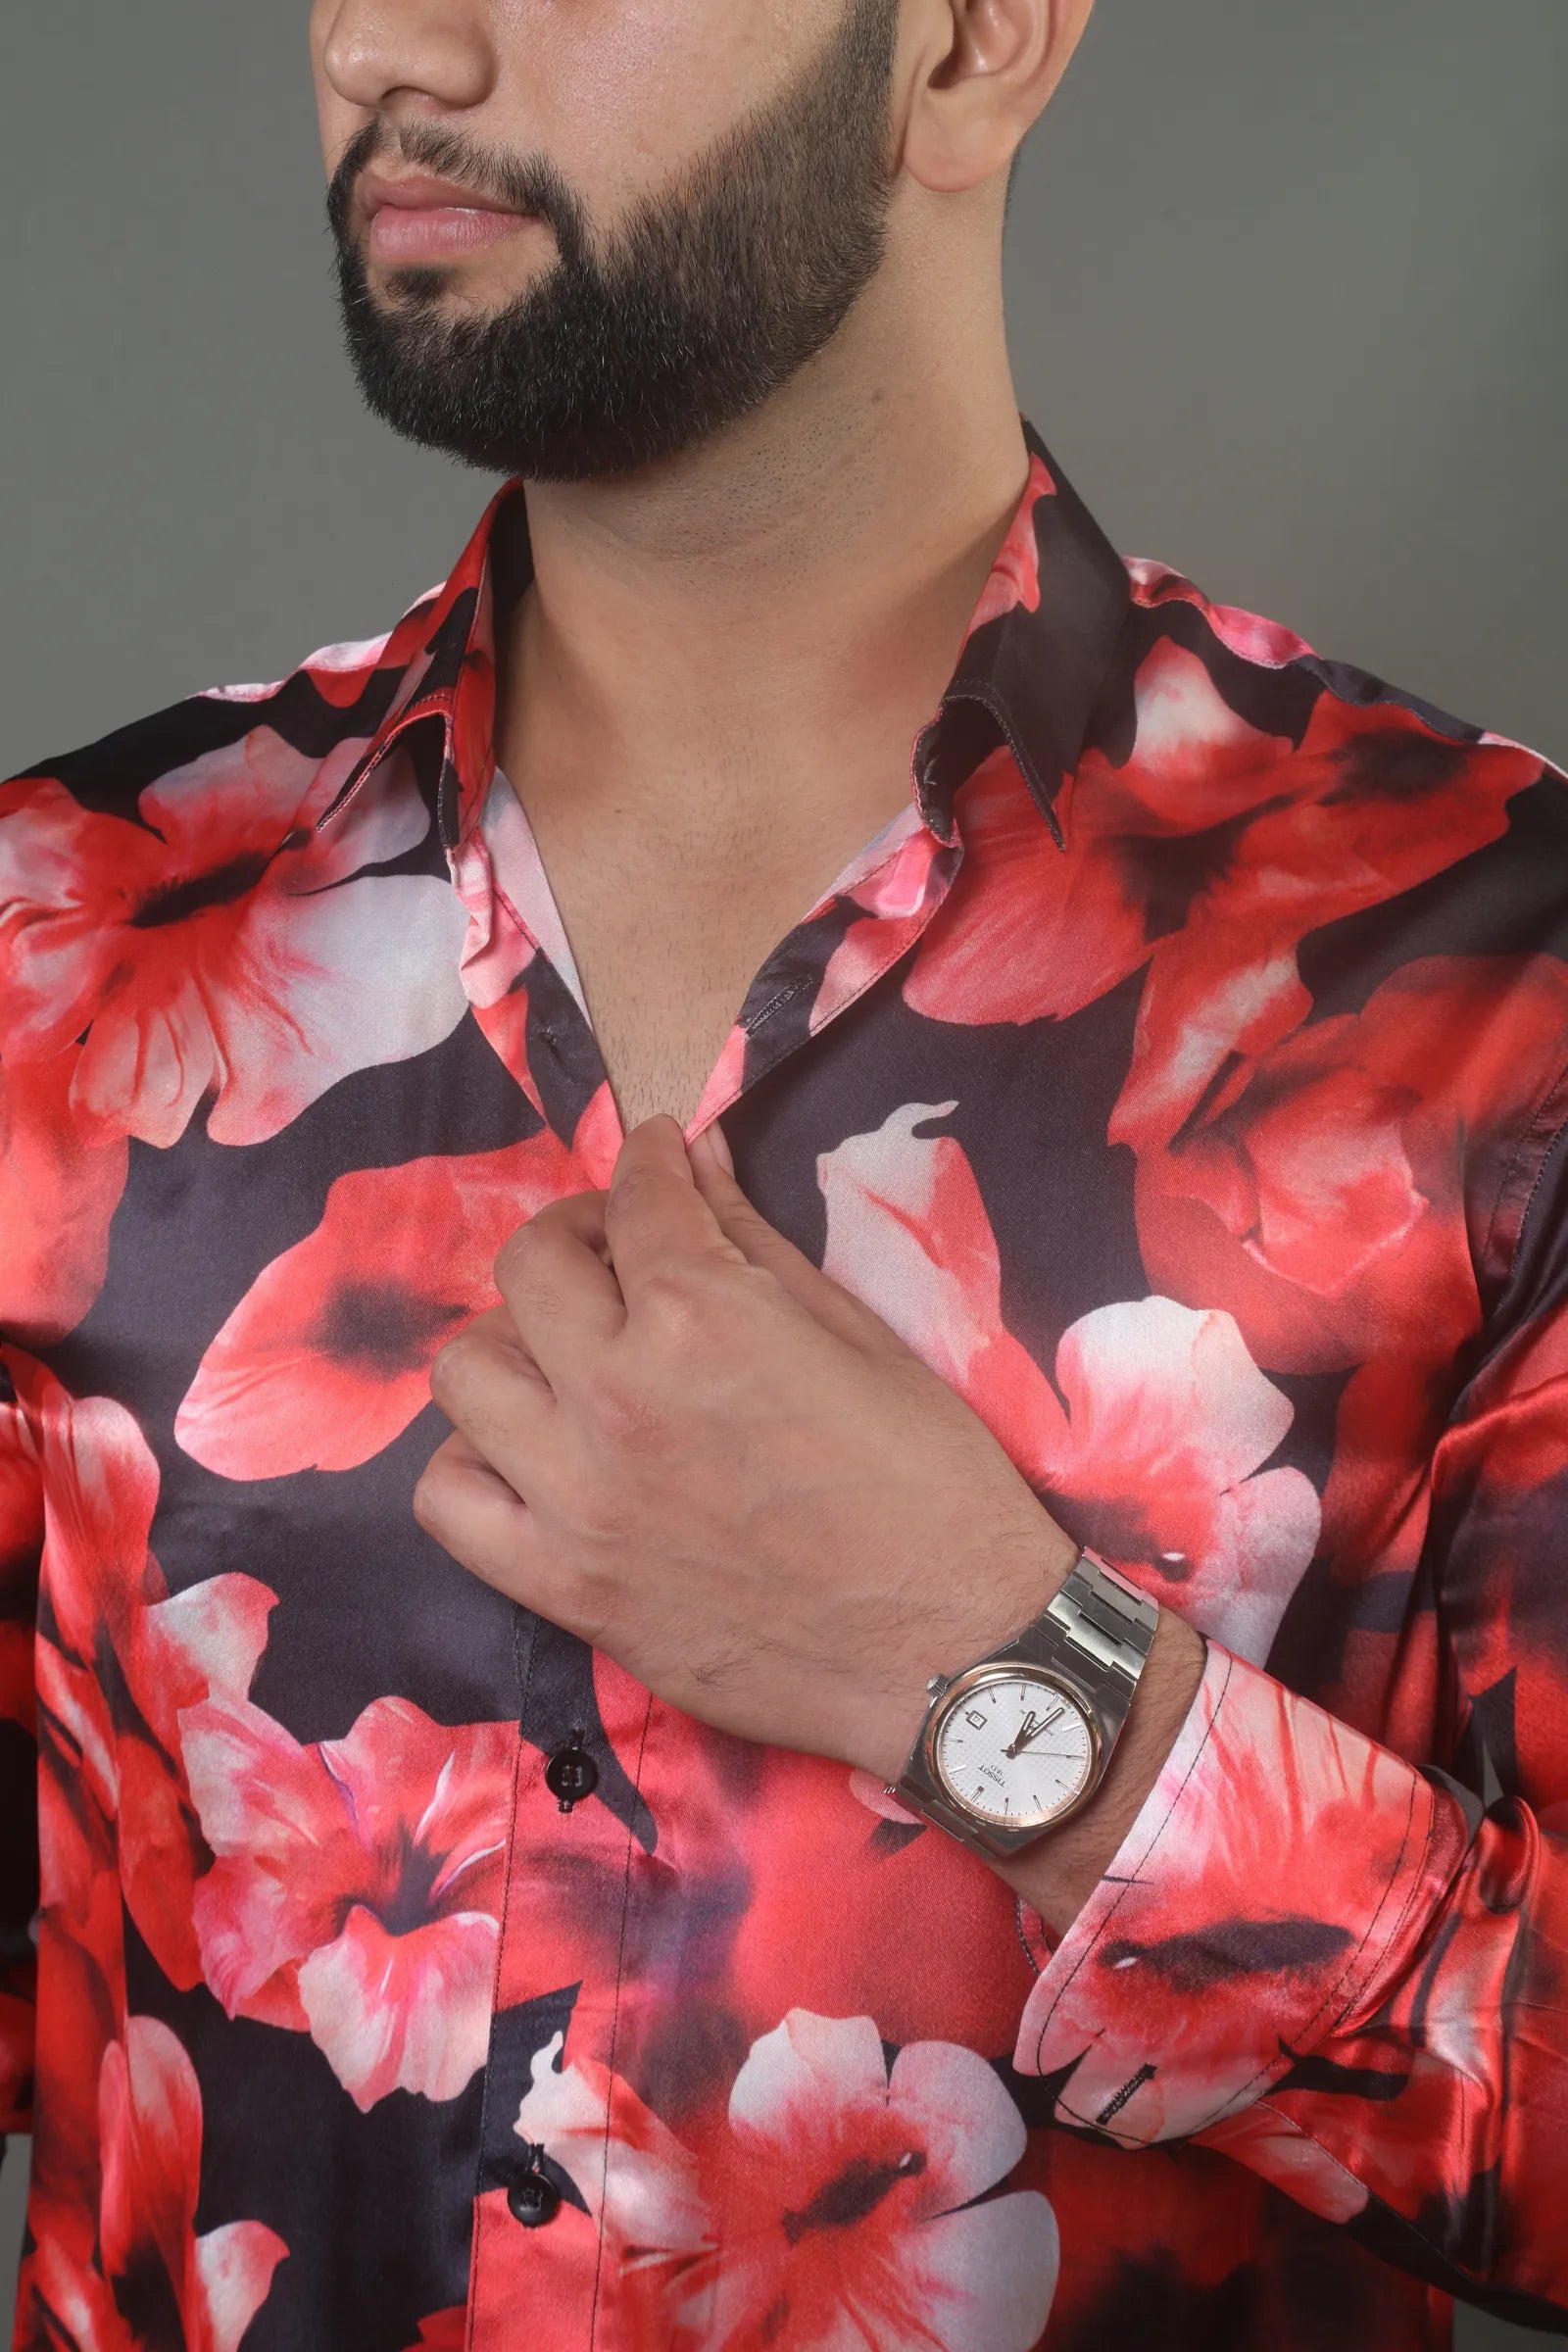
point(937, 1684)
point(888, 1789)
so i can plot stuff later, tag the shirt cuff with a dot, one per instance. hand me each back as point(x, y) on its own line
point(1253, 1903)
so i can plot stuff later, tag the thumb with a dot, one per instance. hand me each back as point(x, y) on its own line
point(762, 1244)
point(713, 1145)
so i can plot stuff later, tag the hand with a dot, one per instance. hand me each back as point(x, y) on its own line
point(681, 1441)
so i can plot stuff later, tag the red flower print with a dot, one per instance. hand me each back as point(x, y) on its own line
point(60, 1179)
point(327, 1358)
point(496, 871)
point(498, 949)
point(1200, 1969)
point(1318, 1195)
point(867, 1790)
point(907, 1233)
point(818, 1827)
point(444, 2331)
point(21, 1544)
point(1269, 2143)
point(18, 2017)
point(1439, 2127)
point(1497, 1467)
point(338, 673)
point(80, 2012)
point(117, 1657)
point(79, 1806)
point(724, 1081)
point(1372, 805)
point(358, 1884)
point(1442, 2040)
point(1160, 1467)
point(85, 1485)
point(1157, 1459)
point(1255, 638)
point(341, 673)
point(1015, 575)
point(900, 882)
point(151, 2273)
point(601, 1905)
point(1210, 853)
point(597, 1138)
point(838, 2202)
point(1028, 930)
point(222, 946)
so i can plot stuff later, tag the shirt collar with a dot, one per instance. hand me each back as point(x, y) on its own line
point(1035, 651)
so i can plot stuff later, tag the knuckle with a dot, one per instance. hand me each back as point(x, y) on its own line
point(589, 1601)
point(628, 1194)
point(634, 1175)
point(518, 1252)
point(681, 1303)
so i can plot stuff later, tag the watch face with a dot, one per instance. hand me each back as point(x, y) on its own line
point(1014, 1749)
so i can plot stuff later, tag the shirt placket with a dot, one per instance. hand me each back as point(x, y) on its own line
point(591, 1896)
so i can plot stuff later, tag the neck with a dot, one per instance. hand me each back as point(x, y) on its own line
point(784, 601)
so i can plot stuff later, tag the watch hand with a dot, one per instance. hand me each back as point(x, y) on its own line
point(1032, 1727)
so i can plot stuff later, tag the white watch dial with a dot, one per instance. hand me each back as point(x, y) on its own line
point(1014, 1749)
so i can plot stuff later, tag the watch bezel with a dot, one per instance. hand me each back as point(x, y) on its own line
point(1013, 1670)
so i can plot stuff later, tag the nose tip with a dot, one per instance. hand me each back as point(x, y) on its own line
point(376, 52)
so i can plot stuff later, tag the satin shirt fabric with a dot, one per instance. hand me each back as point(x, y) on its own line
point(1184, 1074)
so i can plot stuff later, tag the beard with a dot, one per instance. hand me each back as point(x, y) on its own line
point(709, 297)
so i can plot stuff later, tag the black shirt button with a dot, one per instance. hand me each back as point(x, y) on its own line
point(571, 1775)
point(533, 2199)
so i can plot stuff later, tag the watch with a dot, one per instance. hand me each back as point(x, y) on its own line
point(1022, 1737)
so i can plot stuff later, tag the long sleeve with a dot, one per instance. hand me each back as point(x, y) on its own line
point(1347, 1970)
point(21, 1546)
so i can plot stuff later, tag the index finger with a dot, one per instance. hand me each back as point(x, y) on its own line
point(654, 1217)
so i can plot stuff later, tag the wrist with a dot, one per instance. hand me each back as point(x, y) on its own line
point(1057, 1875)
point(994, 1604)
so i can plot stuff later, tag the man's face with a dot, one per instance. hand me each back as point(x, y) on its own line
point(708, 191)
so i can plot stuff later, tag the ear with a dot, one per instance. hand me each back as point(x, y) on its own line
point(985, 70)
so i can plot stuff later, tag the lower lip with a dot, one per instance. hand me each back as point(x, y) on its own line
point(416, 233)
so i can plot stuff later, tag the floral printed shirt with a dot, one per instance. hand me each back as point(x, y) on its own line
point(1184, 1074)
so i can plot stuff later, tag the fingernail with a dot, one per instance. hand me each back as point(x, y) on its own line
point(714, 1136)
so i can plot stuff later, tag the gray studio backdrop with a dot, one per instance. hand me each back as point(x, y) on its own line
point(1285, 295)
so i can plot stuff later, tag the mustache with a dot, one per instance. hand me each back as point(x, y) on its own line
point(523, 183)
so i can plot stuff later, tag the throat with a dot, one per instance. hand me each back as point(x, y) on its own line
point(669, 928)
point(660, 1044)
